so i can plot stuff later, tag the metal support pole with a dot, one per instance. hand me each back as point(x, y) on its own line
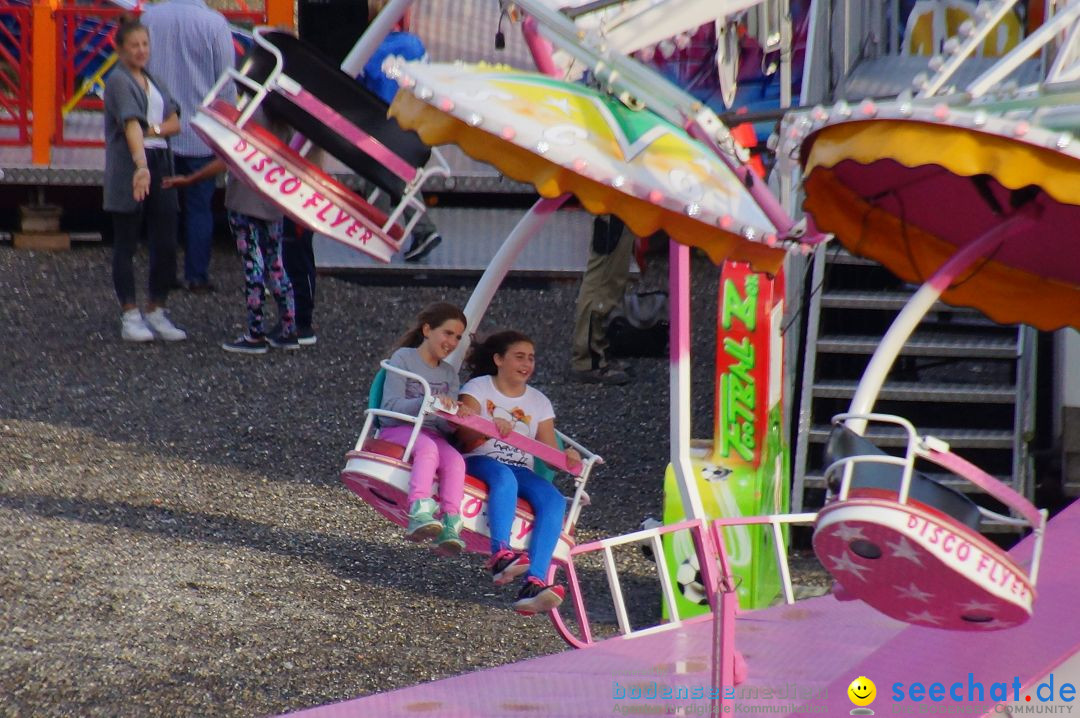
point(500, 264)
point(679, 280)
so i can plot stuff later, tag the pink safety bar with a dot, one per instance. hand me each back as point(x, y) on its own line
point(549, 455)
point(1005, 494)
point(365, 142)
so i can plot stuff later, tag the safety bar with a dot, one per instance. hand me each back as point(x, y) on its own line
point(937, 452)
point(417, 421)
point(589, 459)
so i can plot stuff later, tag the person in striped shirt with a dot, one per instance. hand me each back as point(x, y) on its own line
point(193, 46)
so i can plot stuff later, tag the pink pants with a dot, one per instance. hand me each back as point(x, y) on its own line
point(432, 454)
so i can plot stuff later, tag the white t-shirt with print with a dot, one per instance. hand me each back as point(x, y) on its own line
point(524, 413)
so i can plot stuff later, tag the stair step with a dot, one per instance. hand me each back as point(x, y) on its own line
point(957, 438)
point(888, 301)
point(923, 391)
point(936, 345)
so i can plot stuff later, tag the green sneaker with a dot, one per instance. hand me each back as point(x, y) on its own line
point(450, 543)
point(423, 526)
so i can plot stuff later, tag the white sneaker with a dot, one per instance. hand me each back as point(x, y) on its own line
point(162, 327)
point(133, 328)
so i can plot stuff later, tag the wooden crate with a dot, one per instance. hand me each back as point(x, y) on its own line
point(43, 241)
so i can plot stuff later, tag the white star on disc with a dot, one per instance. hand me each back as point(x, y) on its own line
point(849, 533)
point(914, 592)
point(976, 607)
point(922, 617)
point(902, 549)
point(844, 563)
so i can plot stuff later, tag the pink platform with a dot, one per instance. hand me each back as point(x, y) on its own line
point(811, 650)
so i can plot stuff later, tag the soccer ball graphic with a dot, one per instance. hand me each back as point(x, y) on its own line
point(688, 578)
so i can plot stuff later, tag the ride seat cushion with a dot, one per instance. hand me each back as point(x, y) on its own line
point(876, 480)
point(317, 74)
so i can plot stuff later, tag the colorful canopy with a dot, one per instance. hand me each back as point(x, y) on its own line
point(564, 137)
point(909, 183)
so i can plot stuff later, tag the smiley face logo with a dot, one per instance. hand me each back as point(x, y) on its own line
point(862, 691)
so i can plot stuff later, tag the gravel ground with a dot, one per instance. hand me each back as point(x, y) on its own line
point(174, 539)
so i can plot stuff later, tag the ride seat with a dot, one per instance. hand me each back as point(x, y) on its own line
point(332, 187)
point(872, 479)
point(392, 450)
point(319, 76)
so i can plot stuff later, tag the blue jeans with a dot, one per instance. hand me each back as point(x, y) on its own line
point(505, 484)
point(198, 229)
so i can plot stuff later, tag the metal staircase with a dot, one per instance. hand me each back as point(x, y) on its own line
point(961, 378)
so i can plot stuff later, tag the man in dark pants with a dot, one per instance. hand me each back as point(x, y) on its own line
point(298, 256)
point(602, 289)
point(192, 46)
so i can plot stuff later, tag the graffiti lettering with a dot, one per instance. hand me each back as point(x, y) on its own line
point(738, 391)
point(745, 310)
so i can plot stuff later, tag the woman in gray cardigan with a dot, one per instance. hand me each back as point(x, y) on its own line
point(139, 115)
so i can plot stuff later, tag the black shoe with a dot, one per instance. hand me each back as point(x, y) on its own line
point(199, 287)
point(537, 597)
point(606, 375)
point(421, 247)
point(288, 342)
point(246, 345)
point(305, 336)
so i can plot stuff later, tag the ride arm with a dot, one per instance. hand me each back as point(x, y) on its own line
point(469, 436)
point(551, 456)
point(545, 432)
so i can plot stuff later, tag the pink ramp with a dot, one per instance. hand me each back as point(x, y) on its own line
point(801, 659)
point(793, 653)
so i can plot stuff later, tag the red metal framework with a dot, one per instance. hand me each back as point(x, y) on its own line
point(14, 73)
point(85, 31)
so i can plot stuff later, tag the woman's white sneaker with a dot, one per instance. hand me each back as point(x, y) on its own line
point(161, 326)
point(133, 328)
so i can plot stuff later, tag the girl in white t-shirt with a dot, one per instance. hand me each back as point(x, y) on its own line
point(501, 366)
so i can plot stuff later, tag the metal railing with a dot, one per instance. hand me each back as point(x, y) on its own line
point(86, 52)
point(15, 79)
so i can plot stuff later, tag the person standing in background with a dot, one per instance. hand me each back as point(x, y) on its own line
point(602, 288)
point(193, 46)
point(139, 115)
point(399, 43)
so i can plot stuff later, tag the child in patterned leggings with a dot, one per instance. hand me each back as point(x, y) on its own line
point(256, 225)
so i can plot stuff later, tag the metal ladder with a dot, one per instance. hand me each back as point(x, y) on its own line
point(961, 377)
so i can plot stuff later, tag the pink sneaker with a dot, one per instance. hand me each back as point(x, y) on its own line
point(506, 565)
